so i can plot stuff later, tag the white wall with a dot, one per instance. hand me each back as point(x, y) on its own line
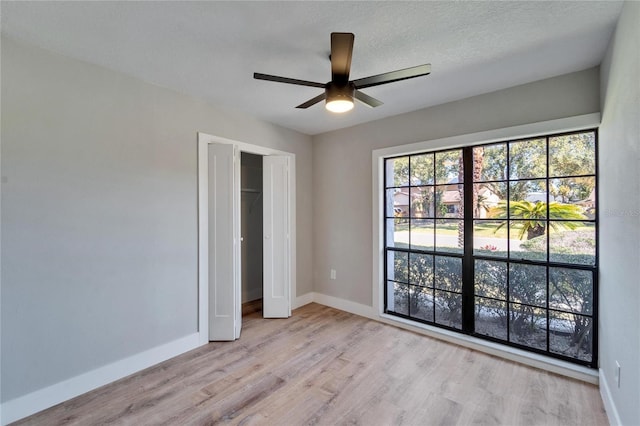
point(99, 214)
point(342, 225)
point(620, 220)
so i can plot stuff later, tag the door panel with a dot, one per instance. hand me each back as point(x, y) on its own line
point(222, 243)
point(276, 248)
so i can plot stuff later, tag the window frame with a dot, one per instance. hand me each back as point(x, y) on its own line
point(544, 130)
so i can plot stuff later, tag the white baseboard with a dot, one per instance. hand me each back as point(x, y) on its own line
point(334, 302)
point(39, 400)
point(607, 399)
point(345, 305)
point(305, 299)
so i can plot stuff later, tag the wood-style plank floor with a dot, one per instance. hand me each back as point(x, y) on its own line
point(327, 367)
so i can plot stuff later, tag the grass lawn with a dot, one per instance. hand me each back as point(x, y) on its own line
point(481, 229)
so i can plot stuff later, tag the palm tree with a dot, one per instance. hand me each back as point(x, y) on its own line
point(534, 215)
point(478, 158)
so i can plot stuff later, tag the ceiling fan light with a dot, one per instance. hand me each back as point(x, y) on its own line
point(339, 97)
point(339, 105)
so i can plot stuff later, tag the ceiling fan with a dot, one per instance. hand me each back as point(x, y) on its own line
point(340, 91)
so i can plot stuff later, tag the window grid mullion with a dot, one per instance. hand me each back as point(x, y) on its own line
point(548, 233)
point(468, 279)
point(468, 258)
point(507, 177)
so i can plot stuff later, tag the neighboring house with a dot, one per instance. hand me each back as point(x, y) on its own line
point(449, 199)
point(401, 202)
point(589, 204)
point(541, 196)
point(538, 197)
point(487, 199)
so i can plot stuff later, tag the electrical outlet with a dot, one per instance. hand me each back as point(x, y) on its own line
point(617, 373)
point(333, 274)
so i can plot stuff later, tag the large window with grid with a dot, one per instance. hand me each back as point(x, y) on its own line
point(498, 241)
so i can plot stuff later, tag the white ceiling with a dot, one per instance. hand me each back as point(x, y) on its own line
point(210, 50)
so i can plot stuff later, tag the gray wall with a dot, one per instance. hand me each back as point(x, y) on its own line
point(342, 220)
point(99, 213)
point(620, 215)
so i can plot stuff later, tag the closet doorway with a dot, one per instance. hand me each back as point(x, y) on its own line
point(251, 235)
point(220, 234)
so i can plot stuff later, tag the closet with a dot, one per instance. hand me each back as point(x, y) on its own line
point(251, 227)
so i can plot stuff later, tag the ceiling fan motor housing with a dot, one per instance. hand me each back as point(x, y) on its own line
point(339, 91)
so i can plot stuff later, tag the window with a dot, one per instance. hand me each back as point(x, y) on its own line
point(498, 241)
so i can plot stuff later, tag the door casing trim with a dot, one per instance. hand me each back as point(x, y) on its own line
point(203, 226)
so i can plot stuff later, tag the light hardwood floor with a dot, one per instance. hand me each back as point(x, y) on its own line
point(327, 367)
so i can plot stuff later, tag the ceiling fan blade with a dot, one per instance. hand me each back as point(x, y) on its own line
point(390, 77)
point(278, 79)
point(341, 51)
point(366, 99)
point(313, 101)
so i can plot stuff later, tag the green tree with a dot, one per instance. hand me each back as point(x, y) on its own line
point(422, 169)
point(569, 155)
point(426, 169)
point(531, 217)
point(572, 155)
point(571, 189)
point(400, 171)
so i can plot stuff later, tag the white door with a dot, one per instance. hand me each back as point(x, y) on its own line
point(224, 301)
point(276, 242)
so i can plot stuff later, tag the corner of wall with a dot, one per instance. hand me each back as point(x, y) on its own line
point(300, 301)
point(345, 305)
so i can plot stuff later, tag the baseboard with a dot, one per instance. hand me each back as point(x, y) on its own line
point(305, 299)
point(39, 400)
point(607, 399)
point(345, 305)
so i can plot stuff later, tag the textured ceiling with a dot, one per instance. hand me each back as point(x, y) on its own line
point(210, 50)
